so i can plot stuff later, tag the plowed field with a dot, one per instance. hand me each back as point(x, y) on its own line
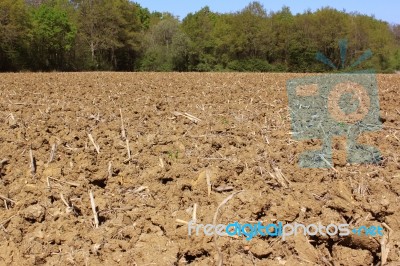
point(159, 149)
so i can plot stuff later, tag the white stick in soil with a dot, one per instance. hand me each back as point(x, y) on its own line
point(123, 132)
point(33, 163)
point(110, 171)
point(64, 200)
point(94, 143)
point(208, 180)
point(220, 260)
point(6, 199)
point(128, 149)
point(93, 204)
point(69, 208)
point(161, 162)
point(328, 163)
point(181, 221)
point(72, 184)
point(194, 214)
point(52, 152)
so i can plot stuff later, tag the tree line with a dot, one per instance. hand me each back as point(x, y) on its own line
point(119, 35)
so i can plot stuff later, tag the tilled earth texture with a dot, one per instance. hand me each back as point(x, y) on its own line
point(145, 153)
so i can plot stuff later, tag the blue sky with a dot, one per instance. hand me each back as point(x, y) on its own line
point(388, 10)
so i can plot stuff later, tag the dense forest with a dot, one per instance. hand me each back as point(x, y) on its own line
point(119, 35)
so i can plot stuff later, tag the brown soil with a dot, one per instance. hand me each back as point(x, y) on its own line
point(242, 136)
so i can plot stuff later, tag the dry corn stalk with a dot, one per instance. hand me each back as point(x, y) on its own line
point(93, 204)
point(123, 132)
point(208, 180)
point(33, 162)
point(96, 146)
point(280, 177)
point(188, 116)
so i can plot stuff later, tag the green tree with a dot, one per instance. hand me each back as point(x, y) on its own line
point(366, 32)
point(282, 24)
point(396, 33)
point(122, 35)
point(199, 27)
point(250, 39)
point(111, 31)
point(166, 46)
point(14, 26)
point(303, 44)
point(52, 37)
